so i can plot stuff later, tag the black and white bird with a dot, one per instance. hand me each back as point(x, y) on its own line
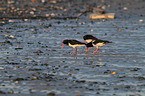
point(89, 38)
point(94, 42)
point(73, 43)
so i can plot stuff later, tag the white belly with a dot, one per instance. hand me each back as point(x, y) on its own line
point(76, 45)
point(89, 40)
point(98, 44)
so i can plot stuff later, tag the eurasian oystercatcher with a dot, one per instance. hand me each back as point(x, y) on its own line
point(73, 43)
point(89, 38)
point(94, 42)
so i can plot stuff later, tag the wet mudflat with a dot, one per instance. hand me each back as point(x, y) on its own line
point(33, 63)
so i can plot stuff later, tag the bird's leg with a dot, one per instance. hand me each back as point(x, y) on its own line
point(74, 51)
point(96, 50)
point(87, 49)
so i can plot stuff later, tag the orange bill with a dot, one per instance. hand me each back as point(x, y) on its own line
point(62, 45)
point(83, 41)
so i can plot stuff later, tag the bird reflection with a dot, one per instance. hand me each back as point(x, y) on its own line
point(75, 57)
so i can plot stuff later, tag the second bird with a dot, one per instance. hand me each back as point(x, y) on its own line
point(94, 42)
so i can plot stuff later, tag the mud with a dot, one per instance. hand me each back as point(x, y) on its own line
point(33, 63)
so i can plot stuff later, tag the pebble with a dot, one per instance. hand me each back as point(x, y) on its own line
point(1, 68)
point(125, 8)
point(141, 20)
point(112, 72)
point(11, 36)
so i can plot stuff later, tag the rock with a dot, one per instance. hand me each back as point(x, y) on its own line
point(1, 92)
point(100, 16)
point(51, 94)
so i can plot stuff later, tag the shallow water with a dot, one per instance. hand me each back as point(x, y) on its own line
point(33, 63)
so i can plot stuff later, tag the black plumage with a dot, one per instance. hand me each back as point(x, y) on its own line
point(94, 42)
point(73, 43)
point(89, 37)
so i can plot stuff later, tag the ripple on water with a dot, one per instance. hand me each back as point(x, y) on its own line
point(40, 66)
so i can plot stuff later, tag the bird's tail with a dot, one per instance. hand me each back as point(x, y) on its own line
point(107, 41)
